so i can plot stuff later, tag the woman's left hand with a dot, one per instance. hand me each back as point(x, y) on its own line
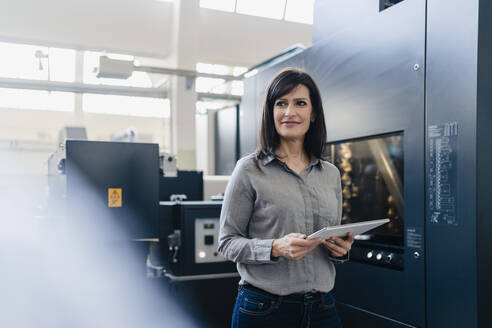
point(340, 246)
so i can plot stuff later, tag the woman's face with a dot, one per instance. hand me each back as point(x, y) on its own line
point(292, 114)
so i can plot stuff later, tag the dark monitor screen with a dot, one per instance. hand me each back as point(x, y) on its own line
point(371, 171)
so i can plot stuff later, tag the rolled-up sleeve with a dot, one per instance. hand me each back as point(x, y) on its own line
point(237, 209)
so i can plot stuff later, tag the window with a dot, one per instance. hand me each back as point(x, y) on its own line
point(223, 5)
point(37, 63)
point(213, 69)
point(219, 86)
point(91, 62)
point(237, 88)
point(37, 100)
point(300, 11)
point(202, 107)
point(269, 9)
point(125, 105)
point(207, 84)
point(238, 70)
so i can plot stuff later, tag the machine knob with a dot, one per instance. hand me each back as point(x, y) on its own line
point(379, 256)
point(370, 255)
point(416, 255)
point(390, 257)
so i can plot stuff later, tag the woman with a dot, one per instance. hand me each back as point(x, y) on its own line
point(275, 198)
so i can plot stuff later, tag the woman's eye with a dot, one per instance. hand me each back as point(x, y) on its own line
point(280, 103)
point(301, 103)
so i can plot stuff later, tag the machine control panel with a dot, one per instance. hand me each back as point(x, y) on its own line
point(207, 241)
point(381, 256)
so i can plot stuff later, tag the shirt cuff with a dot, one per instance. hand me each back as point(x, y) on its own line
point(263, 250)
point(340, 259)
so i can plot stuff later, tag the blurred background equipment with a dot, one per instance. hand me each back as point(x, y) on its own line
point(188, 183)
point(214, 186)
point(124, 176)
point(179, 239)
point(130, 135)
point(226, 140)
point(72, 132)
point(114, 68)
point(189, 234)
point(168, 165)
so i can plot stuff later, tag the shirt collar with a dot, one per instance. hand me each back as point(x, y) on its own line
point(269, 156)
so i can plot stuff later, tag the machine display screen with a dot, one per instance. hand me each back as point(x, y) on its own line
point(371, 171)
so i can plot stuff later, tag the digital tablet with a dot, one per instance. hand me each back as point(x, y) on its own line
point(341, 230)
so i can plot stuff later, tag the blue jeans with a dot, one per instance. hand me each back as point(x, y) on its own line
point(258, 308)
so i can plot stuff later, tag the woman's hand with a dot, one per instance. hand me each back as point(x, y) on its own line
point(340, 246)
point(294, 246)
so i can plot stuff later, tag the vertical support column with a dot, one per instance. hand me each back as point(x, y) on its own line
point(79, 77)
point(183, 95)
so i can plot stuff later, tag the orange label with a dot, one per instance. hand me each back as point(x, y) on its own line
point(115, 197)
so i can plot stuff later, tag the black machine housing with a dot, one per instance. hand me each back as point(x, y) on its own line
point(181, 238)
point(189, 183)
point(93, 168)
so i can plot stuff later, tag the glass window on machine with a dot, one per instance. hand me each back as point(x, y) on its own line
point(371, 171)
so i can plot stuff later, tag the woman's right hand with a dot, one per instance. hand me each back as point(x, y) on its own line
point(294, 246)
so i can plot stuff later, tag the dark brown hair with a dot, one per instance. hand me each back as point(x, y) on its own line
point(286, 81)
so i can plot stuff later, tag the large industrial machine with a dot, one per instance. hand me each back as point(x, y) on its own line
point(405, 93)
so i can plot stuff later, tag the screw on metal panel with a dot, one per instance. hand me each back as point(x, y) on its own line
point(416, 67)
point(416, 255)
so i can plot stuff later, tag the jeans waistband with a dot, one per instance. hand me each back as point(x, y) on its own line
point(296, 297)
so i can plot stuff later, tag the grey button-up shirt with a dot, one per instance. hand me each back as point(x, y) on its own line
point(265, 200)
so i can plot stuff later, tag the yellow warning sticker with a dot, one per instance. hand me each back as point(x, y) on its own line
point(115, 197)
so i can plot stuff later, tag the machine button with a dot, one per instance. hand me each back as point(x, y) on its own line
point(390, 257)
point(370, 255)
point(379, 256)
point(209, 239)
